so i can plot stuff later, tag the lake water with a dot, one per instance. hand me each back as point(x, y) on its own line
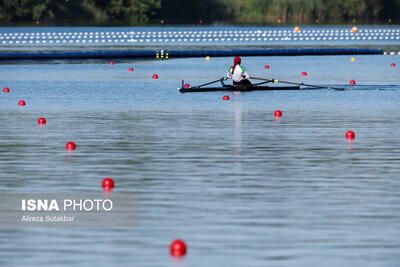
point(239, 186)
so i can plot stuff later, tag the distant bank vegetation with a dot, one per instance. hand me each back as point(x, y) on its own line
point(145, 12)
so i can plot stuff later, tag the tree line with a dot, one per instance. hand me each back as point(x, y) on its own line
point(147, 12)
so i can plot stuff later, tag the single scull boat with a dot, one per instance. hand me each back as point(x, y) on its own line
point(238, 88)
point(254, 87)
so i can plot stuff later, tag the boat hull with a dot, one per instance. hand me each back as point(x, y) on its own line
point(237, 88)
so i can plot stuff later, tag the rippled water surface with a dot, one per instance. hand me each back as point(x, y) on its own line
point(239, 186)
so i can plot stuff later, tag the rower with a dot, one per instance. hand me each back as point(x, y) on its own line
point(238, 73)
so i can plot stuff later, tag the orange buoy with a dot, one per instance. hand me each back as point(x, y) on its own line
point(354, 29)
point(296, 29)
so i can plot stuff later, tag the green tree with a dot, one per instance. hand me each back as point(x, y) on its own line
point(132, 11)
point(300, 10)
point(11, 10)
point(353, 8)
point(390, 10)
point(192, 11)
point(318, 10)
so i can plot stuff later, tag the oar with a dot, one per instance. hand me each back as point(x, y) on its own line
point(256, 84)
point(309, 85)
point(198, 86)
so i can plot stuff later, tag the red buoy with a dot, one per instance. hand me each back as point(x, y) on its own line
point(350, 135)
point(111, 62)
point(177, 248)
point(266, 67)
point(225, 97)
point(187, 85)
point(304, 73)
point(41, 121)
point(130, 69)
point(21, 103)
point(393, 64)
point(6, 90)
point(70, 146)
point(201, 21)
point(278, 113)
point(352, 82)
point(155, 76)
point(107, 183)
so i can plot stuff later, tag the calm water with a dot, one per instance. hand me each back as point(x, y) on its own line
point(240, 187)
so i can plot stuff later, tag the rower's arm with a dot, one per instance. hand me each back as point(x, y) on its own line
point(244, 73)
point(229, 74)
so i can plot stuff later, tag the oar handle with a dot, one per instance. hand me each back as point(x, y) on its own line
point(262, 79)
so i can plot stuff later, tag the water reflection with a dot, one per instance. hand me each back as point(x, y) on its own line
point(237, 113)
